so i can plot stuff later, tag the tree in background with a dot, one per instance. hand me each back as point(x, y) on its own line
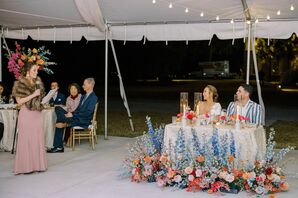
point(278, 57)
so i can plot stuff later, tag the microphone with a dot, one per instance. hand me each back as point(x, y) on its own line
point(37, 84)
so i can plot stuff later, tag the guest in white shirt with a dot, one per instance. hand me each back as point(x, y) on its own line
point(210, 105)
point(247, 108)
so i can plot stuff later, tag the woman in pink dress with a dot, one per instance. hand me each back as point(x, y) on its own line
point(30, 150)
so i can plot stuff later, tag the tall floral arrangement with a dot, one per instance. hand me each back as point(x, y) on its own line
point(21, 56)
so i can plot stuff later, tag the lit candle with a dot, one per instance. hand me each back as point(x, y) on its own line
point(198, 108)
point(237, 112)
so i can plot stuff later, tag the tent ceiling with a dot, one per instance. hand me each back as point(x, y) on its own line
point(133, 19)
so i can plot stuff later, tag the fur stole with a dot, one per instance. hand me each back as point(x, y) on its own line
point(23, 88)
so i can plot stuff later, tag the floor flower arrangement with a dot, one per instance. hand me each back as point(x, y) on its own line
point(202, 166)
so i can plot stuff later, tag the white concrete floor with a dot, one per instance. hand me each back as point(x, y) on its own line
point(87, 173)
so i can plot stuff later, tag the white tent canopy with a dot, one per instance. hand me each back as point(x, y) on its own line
point(156, 20)
point(133, 19)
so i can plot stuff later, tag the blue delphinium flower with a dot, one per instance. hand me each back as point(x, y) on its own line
point(215, 142)
point(232, 145)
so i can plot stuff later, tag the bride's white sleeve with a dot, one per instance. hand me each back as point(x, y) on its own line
point(217, 109)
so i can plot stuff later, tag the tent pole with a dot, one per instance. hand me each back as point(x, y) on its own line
point(106, 82)
point(248, 54)
point(122, 91)
point(261, 102)
point(1, 71)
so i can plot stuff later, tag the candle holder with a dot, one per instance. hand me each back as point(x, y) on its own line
point(198, 96)
point(183, 101)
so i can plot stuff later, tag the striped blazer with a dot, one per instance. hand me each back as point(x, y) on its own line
point(254, 112)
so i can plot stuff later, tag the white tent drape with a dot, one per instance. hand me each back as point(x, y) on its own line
point(91, 13)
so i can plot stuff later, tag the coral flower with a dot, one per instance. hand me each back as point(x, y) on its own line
point(200, 159)
point(20, 63)
point(23, 57)
point(147, 159)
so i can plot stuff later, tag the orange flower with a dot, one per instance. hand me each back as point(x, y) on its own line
point(136, 161)
point(34, 50)
point(163, 158)
point(224, 168)
point(30, 60)
point(246, 175)
point(23, 57)
point(39, 62)
point(282, 177)
point(210, 191)
point(200, 159)
point(147, 159)
point(37, 57)
point(231, 158)
point(271, 196)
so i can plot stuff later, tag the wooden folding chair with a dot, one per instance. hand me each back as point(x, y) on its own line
point(79, 133)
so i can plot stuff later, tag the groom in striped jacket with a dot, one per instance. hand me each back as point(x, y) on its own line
point(248, 109)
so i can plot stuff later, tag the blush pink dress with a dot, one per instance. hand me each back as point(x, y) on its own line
point(30, 149)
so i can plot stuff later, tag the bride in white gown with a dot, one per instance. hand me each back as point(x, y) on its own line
point(210, 105)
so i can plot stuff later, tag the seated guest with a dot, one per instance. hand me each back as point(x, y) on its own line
point(3, 93)
point(248, 108)
point(209, 105)
point(72, 103)
point(80, 117)
point(54, 97)
point(58, 98)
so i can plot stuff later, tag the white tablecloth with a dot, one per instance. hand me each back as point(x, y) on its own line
point(250, 143)
point(9, 119)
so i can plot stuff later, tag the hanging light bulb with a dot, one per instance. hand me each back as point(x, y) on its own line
point(153, 1)
point(171, 5)
point(232, 21)
point(268, 17)
point(248, 22)
point(257, 21)
point(278, 12)
point(186, 10)
point(202, 14)
point(217, 18)
point(292, 8)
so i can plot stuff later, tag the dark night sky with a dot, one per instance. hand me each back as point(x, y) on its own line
point(84, 59)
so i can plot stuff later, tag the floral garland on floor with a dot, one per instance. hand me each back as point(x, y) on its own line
point(202, 168)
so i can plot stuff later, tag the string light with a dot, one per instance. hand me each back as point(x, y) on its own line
point(171, 5)
point(292, 8)
point(153, 1)
point(217, 18)
point(202, 14)
point(186, 10)
point(248, 22)
point(278, 12)
point(268, 17)
point(257, 21)
point(232, 21)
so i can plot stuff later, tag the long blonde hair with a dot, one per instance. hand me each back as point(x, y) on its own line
point(213, 90)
